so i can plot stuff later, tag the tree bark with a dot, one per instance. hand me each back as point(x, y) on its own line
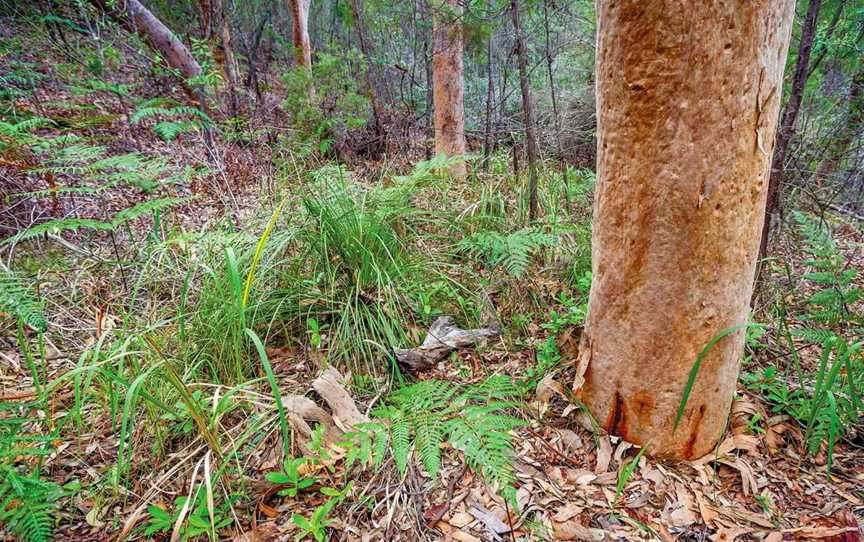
point(447, 83)
point(300, 32)
point(787, 124)
point(232, 67)
point(138, 19)
point(490, 96)
point(852, 125)
point(687, 104)
point(530, 141)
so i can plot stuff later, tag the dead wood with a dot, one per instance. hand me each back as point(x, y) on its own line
point(443, 337)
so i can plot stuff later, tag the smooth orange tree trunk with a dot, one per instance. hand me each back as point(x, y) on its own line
point(300, 32)
point(447, 82)
point(687, 104)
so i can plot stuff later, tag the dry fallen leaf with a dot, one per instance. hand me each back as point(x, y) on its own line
point(566, 512)
point(604, 455)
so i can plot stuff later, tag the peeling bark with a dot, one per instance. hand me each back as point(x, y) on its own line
point(687, 103)
point(447, 83)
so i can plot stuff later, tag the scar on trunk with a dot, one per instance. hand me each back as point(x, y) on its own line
point(694, 434)
point(617, 423)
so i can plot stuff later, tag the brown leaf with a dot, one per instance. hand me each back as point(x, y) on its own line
point(604, 455)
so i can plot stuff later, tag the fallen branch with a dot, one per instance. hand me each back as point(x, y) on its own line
point(443, 337)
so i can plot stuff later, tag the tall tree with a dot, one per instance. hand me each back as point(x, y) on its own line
point(300, 32)
point(687, 105)
point(528, 114)
point(447, 82)
point(790, 115)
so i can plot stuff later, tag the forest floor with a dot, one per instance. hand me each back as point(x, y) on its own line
point(124, 466)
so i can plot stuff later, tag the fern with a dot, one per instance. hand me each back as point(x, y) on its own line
point(424, 415)
point(836, 293)
point(19, 300)
point(172, 118)
point(27, 504)
point(122, 217)
point(513, 252)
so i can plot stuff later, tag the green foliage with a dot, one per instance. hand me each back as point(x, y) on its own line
point(172, 118)
point(424, 415)
point(834, 278)
point(20, 300)
point(513, 252)
point(291, 477)
point(122, 217)
point(826, 401)
point(326, 115)
point(197, 521)
point(28, 505)
point(316, 525)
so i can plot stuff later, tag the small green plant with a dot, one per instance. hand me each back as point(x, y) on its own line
point(626, 472)
point(291, 477)
point(323, 118)
point(836, 294)
point(28, 504)
point(316, 525)
point(197, 522)
point(512, 252)
point(422, 416)
point(172, 118)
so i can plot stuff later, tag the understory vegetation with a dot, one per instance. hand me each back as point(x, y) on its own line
point(173, 280)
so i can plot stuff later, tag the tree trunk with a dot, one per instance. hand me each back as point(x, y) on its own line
point(138, 19)
point(490, 96)
point(300, 32)
point(232, 68)
point(852, 124)
point(687, 103)
point(530, 141)
point(787, 125)
point(447, 83)
point(549, 62)
point(372, 76)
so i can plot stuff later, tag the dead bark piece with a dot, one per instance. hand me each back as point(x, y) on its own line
point(329, 386)
point(443, 338)
point(299, 409)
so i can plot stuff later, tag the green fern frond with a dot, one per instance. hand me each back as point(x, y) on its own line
point(19, 300)
point(513, 252)
point(27, 505)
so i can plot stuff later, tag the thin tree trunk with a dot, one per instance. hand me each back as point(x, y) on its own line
point(447, 82)
point(530, 141)
point(490, 96)
point(852, 125)
point(787, 124)
point(687, 105)
point(232, 68)
point(371, 74)
point(549, 62)
point(137, 18)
